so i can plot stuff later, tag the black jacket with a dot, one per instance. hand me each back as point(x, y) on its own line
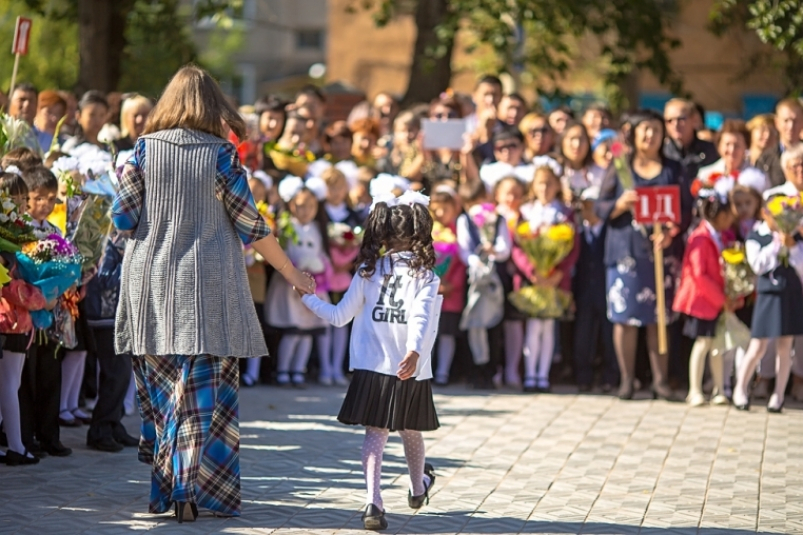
point(699, 154)
point(770, 164)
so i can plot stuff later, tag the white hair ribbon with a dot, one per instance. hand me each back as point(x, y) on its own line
point(13, 169)
point(387, 198)
point(290, 186)
point(411, 197)
point(263, 177)
point(548, 161)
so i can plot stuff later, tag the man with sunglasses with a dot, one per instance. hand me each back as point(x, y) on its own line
point(508, 147)
point(682, 144)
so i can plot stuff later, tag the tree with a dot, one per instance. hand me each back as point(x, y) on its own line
point(107, 28)
point(779, 23)
point(632, 34)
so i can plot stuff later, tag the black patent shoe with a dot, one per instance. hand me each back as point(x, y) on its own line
point(15, 459)
point(417, 502)
point(186, 511)
point(374, 519)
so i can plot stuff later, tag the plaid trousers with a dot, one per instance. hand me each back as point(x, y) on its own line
point(190, 430)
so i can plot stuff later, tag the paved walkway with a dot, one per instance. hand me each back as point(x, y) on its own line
point(506, 463)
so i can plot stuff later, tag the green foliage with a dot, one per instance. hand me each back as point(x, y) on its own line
point(52, 60)
point(159, 43)
point(778, 23)
point(633, 34)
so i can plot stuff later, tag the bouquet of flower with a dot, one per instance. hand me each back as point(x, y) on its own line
point(268, 214)
point(787, 212)
point(485, 217)
point(14, 134)
point(53, 265)
point(15, 228)
point(545, 249)
point(445, 245)
point(740, 281)
point(342, 235)
point(285, 231)
point(622, 166)
point(295, 160)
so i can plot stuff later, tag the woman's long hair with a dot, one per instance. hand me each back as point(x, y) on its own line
point(400, 228)
point(193, 100)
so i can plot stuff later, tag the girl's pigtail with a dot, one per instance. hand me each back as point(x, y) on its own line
point(374, 238)
point(422, 248)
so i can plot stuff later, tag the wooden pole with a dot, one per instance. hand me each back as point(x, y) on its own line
point(660, 295)
point(14, 75)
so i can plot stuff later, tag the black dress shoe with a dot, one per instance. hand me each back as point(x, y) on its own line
point(15, 459)
point(107, 444)
point(126, 440)
point(417, 502)
point(35, 449)
point(57, 450)
point(374, 519)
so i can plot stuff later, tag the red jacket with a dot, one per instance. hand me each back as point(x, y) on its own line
point(702, 285)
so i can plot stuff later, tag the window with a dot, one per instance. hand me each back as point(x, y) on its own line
point(309, 39)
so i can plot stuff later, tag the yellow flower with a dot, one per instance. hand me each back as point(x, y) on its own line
point(58, 217)
point(442, 234)
point(524, 229)
point(4, 277)
point(262, 208)
point(733, 256)
point(778, 204)
point(560, 232)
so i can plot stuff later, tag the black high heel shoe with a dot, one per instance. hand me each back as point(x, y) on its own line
point(181, 509)
point(417, 502)
point(626, 391)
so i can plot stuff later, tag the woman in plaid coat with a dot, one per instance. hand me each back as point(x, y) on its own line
point(185, 310)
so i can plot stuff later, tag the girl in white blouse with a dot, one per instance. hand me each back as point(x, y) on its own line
point(395, 305)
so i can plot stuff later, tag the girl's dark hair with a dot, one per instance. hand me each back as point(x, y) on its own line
point(23, 158)
point(40, 177)
point(642, 116)
point(510, 178)
point(589, 159)
point(92, 97)
point(710, 204)
point(13, 184)
point(398, 228)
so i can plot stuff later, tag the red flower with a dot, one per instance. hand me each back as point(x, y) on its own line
point(348, 236)
point(696, 186)
point(617, 149)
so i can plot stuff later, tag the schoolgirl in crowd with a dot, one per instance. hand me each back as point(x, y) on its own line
point(394, 302)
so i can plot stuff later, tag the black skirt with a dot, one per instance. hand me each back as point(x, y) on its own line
point(449, 324)
point(385, 401)
point(696, 327)
point(17, 343)
point(777, 314)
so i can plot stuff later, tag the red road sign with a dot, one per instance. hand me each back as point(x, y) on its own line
point(22, 35)
point(660, 204)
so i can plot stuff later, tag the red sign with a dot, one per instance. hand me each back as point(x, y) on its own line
point(22, 34)
point(660, 204)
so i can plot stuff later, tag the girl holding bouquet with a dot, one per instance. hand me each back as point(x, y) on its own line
point(701, 294)
point(344, 235)
point(445, 209)
point(776, 256)
point(307, 243)
point(629, 251)
point(546, 210)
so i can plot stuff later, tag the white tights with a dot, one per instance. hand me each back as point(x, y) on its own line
point(514, 345)
point(373, 449)
point(294, 351)
point(539, 345)
point(72, 376)
point(332, 351)
point(755, 351)
point(446, 345)
point(10, 378)
point(701, 349)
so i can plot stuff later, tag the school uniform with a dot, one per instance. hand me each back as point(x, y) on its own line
point(394, 313)
point(591, 319)
point(779, 302)
point(701, 293)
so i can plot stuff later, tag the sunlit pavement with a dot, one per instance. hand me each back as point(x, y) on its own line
point(506, 463)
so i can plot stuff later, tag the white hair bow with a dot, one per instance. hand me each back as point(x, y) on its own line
point(409, 198)
point(385, 183)
point(263, 177)
point(13, 169)
point(548, 161)
point(290, 186)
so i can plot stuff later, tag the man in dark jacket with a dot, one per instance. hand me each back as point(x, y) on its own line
point(789, 123)
point(682, 144)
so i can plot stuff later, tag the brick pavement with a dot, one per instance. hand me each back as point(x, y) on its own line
point(506, 463)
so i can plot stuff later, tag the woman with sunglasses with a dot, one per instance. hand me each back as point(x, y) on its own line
point(538, 135)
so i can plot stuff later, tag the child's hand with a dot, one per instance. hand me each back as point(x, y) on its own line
point(407, 366)
point(553, 280)
point(787, 239)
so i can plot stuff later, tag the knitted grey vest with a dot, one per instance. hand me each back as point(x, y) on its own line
point(184, 288)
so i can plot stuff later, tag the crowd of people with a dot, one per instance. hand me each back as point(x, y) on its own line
point(315, 180)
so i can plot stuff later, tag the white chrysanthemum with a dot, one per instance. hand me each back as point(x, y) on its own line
point(65, 164)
